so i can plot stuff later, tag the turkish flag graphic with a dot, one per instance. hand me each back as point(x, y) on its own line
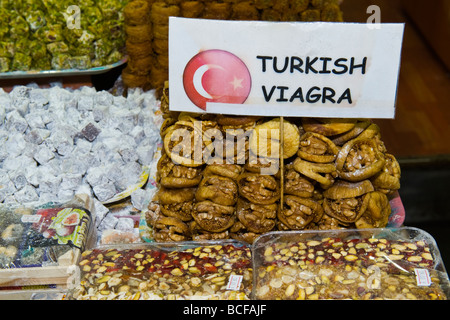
point(216, 76)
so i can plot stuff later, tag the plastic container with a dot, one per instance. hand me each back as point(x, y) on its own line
point(166, 271)
point(398, 263)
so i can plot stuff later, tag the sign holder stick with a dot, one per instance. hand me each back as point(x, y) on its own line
point(281, 159)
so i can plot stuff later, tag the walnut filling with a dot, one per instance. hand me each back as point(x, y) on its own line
point(296, 184)
point(359, 159)
point(317, 148)
point(181, 210)
point(172, 175)
point(255, 217)
point(257, 188)
point(213, 217)
point(299, 212)
point(346, 209)
point(221, 190)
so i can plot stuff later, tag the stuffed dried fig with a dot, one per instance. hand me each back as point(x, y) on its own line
point(231, 171)
point(315, 147)
point(186, 140)
point(256, 218)
point(323, 173)
point(265, 139)
point(377, 212)
point(347, 201)
point(359, 159)
point(388, 179)
point(298, 212)
point(261, 165)
point(219, 189)
point(170, 229)
point(171, 175)
point(170, 196)
point(256, 188)
point(342, 138)
point(213, 217)
point(328, 126)
point(297, 184)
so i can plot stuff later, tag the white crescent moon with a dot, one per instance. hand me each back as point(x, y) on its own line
point(198, 77)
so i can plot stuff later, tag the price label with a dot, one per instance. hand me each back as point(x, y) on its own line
point(30, 218)
point(234, 282)
point(422, 277)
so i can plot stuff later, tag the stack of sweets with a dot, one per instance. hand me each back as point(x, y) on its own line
point(156, 32)
point(224, 176)
point(160, 13)
point(138, 32)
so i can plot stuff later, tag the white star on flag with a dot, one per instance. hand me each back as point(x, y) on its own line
point(236, 83)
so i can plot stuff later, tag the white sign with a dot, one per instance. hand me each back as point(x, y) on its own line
point(303, 69)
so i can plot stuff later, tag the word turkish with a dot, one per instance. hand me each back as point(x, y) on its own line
point(310, 65)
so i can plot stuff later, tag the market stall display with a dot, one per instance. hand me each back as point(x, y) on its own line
point(147, 28)
point(374, 264)
point(151, 204)
point(58, 35)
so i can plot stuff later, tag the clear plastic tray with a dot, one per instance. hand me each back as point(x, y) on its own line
point(166, 271)
point(386, 263)
point(60, 73)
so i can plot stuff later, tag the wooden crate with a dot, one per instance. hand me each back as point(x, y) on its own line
point(59, 275)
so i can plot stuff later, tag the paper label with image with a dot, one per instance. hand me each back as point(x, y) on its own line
point(60, 226)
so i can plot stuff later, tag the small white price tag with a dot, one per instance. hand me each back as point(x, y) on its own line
point(28, 218)
point(422, 277)
point(234, 282)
